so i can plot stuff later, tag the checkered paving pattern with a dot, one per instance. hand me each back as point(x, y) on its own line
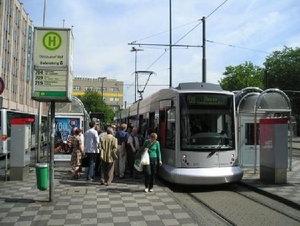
point(77, 202)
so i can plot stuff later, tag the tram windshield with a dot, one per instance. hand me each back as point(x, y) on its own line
point(206, 121)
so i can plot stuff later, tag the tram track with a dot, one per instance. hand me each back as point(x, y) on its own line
point(233, 205)
point(271, 204)
point(221, 217)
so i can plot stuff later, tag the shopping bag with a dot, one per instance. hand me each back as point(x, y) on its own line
point(138, 165)
point(145, 159)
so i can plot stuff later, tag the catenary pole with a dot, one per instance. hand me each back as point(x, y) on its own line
point(170, 12)
point(203, 51)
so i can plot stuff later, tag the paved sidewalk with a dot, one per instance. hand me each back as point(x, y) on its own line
point(288, 193)
point(77, 202)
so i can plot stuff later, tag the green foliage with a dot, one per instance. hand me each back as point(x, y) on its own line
point(283, 69)
point(283, 72)
point(242, 76)
point(93, 102)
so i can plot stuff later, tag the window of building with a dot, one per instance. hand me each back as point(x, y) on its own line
point(116, 107)
point(100, 89)
point(114, 99)
point(115, 89)
point(91, 88)
point(76, 87)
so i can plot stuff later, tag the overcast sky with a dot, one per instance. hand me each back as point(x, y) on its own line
point(236, 31)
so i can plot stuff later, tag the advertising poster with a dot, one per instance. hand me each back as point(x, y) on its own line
point(64, 127)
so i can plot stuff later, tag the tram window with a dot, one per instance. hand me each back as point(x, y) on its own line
point(249, 134)
point(171, 129)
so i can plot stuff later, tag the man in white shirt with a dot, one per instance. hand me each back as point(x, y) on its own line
point(91, 141)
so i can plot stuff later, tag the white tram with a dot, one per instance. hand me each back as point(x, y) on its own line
point(196, 127)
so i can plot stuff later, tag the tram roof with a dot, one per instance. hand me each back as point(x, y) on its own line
point(199, 85)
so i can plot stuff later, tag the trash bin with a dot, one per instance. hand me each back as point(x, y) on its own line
point(42, 176)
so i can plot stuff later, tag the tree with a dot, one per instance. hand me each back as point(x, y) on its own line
point(283, 69)
point(283, 72)
point(242, 76)
point(93, 102)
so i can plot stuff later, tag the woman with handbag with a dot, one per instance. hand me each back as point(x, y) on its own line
point(152, 146)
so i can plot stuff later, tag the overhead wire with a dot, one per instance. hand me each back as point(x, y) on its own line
point(167, 49)
point(239, 47)
point(162, 32)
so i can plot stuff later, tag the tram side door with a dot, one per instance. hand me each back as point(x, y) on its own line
point(248, 143)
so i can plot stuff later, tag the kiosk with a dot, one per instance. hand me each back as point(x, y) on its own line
point(20, 148)
point(254, 104)
point(274, 150)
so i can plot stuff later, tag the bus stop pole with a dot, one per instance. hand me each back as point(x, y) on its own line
point(51, 169)
point(38, 134)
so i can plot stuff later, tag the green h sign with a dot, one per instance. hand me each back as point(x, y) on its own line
point(52, 40)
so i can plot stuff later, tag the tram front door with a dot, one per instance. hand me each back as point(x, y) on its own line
point(247, 143)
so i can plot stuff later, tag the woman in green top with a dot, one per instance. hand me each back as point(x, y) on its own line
point(153, 147)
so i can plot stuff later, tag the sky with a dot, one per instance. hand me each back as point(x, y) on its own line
point(105, 31)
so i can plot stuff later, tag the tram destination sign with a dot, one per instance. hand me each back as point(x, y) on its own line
point(53, 65)
point(206, 99)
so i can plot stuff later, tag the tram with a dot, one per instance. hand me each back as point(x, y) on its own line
point(196, 128)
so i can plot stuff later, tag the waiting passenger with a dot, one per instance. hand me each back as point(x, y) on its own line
point(132, 146)
point(108, 148)
point(153, 147)
point(77, 153)
point(91, 141)
point(120, 164)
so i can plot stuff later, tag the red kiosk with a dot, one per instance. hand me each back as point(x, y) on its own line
point(20, 148)
point(274, 150)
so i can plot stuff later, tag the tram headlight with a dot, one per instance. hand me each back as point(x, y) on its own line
point(232, 157)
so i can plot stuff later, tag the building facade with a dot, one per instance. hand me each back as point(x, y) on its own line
point(16, 40)
point(110, 89)
point(16, 54)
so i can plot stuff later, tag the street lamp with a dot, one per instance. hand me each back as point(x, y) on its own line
point(102, 79)
point(118, 101)
point(135, 69)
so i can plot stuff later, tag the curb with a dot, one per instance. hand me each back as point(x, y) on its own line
point(270, 195)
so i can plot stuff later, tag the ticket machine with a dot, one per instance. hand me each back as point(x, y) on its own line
point(274, 150)
point(20, 148)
